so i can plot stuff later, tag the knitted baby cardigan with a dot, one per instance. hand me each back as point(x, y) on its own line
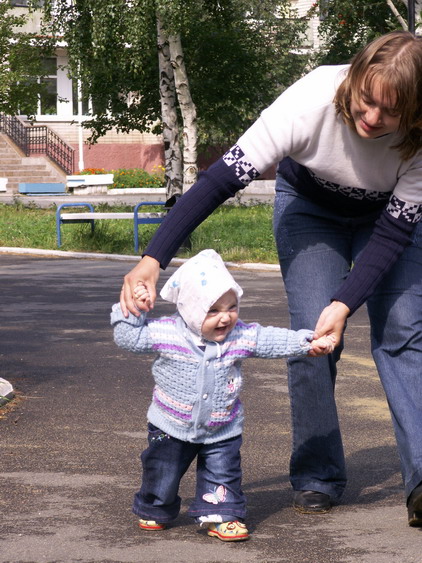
point(196, 393)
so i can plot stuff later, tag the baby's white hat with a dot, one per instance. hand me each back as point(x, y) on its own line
point(197, 285)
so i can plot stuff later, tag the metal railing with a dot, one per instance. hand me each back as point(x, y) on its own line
point(38, 139)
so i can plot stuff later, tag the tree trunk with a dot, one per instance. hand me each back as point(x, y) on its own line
point(418, 17)
point(172, 152)
point(188, 110)
point(418, 13)
point(393, 8)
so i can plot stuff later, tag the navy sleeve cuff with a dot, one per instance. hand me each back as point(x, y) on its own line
point(213, 187)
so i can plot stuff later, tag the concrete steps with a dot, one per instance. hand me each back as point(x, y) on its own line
point(17, 167)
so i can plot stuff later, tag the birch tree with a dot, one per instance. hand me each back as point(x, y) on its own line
point(418, 13)
point(169, 119)
point(170, 16)
point(199, 74)
point(187, 109)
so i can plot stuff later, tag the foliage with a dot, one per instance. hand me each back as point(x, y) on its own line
point(21, 64)
point(131, 177)
point(238, 53)
point(112, 50)
point(347, 26)
point(91, 171)
point(138, 178)
point(239, 60)
point(240, 234)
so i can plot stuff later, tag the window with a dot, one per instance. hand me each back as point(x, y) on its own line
point(48, 97)
point(85, 100)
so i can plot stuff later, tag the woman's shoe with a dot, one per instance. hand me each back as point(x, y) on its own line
point(414, 507)
point(150, 525)
point(311, 502)
point(229, 531)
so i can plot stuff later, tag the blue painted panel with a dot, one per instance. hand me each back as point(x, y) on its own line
point(42, 188)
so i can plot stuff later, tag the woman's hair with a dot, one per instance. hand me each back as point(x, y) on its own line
point(395, 60)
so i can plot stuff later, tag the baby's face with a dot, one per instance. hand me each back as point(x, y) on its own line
point(221, 318)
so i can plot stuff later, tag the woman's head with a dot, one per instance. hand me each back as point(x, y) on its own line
point(387, 74)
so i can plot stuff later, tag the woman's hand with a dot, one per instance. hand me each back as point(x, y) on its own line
point(322, 346)
point(146, 272)
point(332, 321)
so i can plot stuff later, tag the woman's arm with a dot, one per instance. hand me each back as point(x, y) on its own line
point(220, 182)
point(388, 241)
point(386, 244)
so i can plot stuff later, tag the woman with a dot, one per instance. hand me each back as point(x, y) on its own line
point(348, 193)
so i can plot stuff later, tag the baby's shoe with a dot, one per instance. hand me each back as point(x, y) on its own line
point(229, 531)
point(150, 525)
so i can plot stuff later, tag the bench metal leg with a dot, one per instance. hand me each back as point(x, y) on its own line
point(140, 221)
point(59, 219)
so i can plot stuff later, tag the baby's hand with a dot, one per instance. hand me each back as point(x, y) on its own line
point(322, 346)
point(141, 293)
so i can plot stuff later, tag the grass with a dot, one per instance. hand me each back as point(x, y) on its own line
point(238, 233)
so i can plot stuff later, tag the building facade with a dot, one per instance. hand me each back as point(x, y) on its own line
point(60, 110)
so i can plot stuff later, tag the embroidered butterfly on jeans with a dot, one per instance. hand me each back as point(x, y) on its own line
point(219, 495)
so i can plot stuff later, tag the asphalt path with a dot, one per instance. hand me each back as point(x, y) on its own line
point(71, 439)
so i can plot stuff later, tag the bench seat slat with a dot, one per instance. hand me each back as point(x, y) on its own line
point(99, 215)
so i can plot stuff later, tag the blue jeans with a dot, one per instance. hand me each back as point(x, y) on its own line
point(316, 248)
point(218, 478)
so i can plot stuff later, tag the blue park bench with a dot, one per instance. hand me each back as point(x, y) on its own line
point(144, 218)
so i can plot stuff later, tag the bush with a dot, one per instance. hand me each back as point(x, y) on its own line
point(138, 178)
point(132, 177)
point(88, 171)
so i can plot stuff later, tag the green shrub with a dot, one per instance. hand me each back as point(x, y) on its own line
point(132, 177)
point(138, 178)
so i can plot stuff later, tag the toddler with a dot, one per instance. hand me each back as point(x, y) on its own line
point(195, 410)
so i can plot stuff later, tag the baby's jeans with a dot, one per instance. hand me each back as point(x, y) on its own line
point(218, 478)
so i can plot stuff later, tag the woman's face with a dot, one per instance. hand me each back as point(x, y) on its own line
point(374, 112)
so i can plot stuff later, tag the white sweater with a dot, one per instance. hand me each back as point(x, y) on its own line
point(302, 123)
